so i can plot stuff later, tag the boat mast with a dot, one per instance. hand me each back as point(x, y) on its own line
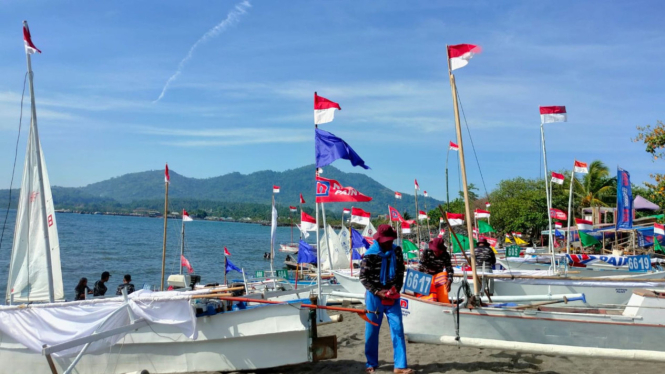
point(570, 208)
point(549, 197)
point(182, 243)
point(166, 217)
point(417, 214)
point(40, 173)
point(467, 207)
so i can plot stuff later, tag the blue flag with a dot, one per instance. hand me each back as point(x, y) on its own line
point(306, 253)
point(355, 255)
point(357, 240)
point(230, 266)
point(558, 234)
point(330, 148)
point(624, 200)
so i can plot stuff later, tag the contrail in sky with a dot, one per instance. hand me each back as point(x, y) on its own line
point(231, 19)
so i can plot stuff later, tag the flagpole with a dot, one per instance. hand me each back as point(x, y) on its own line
point(272, 239)
point(225, 272)
point(291, 220)
point(351, 252)
point(417, 214)
point(429, 233)
point(325, 235)
point(166, 217)
point(182, 242)
point(447, 187)
point(549, 198)
point(40, 174)
point(467, 207)
point(318, 243)
point(570, 207)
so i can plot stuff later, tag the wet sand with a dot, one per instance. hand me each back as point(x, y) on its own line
point(425, 358)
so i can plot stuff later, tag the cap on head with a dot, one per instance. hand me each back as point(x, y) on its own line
point(437, 244)
point(482, 241)
point(106, 274)
point(128, 277)
point(385, 233)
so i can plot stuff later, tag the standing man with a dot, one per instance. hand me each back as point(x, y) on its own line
point(485, 259)
point(435, 261)
point(100, 287)
point(382, 274)
point(126, 283)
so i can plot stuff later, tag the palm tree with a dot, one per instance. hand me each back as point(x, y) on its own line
point(596, 187)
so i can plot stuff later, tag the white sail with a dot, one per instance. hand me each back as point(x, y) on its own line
point(344, 239)
point(369, 230)
point(29, 272)
point(339, 258)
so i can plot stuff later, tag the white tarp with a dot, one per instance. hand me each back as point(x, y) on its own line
point(57, 323)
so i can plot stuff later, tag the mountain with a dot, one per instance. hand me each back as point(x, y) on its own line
point(146, 189)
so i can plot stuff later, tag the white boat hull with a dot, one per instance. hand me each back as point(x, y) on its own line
point(264, 337)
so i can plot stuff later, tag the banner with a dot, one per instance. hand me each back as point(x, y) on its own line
point(331, 191)
point(624, 200)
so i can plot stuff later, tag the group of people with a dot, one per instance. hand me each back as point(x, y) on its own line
point(382, 274)
point(100, 288)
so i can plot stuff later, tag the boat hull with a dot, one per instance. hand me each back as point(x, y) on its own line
point(262, 337)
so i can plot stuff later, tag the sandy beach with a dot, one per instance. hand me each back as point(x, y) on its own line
point(446, 359)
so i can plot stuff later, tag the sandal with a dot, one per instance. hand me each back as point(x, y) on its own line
point(404, 371)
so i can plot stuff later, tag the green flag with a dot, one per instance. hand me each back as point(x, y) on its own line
point(409, 250)
point(485, 227)
point(464, 240)
point(656, 245)
point(588, 240)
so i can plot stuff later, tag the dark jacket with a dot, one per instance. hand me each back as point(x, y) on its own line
point(81, 292)
point(99, 289)
point(129, 286)
point(431, 264)
point(370, 273)
point(484, 254)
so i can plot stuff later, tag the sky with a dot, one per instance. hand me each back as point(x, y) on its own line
point(218, 87)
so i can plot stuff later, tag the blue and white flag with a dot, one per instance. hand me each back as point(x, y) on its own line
point(330, 148)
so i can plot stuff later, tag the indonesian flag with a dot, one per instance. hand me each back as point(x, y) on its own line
point(398, 195)
point(346, 211)
point(455, 219)
point(184, 263)
point(442, 232)
point(658, 229)
point(454, 147)
point(460, 54)
point(331, 191)
point(425, 193)
point(581, 167)
point(475, 233)
point(406, 227)
point(359, 216)
point(293, 209)
point(549, 114)
point(185, 216)
point(167, 178)
point(558, 214)
point(440, 219)
point(487, 204)
point(557, 178)
point(558, 225)
point(27, 40)
point(302, 201)
point(422, 215)
point(394, 214)
point(307, 222)
point(226, 252)
point(583, 224)
point(417, 186)
point(481, 213)
point(508, 236)
point(275, 189)
point(517, 234)
point(324, 109)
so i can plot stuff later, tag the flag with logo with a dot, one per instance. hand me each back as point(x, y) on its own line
point(331, 191)
point(394, 214)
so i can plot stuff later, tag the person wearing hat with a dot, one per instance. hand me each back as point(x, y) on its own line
point(382, 274)
point(485, 258)
point(126, 283)
point(435, 261)
point(100, 286)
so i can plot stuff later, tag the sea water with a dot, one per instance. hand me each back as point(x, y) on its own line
point(92, 244)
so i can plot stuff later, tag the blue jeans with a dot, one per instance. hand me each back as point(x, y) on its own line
point(394, 315)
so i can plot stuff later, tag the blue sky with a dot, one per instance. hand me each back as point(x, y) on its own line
point(243, 102)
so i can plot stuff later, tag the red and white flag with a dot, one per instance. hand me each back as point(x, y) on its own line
point(487, 204)
point(186, 217)
point(508, 236)
point(184, 263)
point(479, 213)
point(398, 195)
point(359, 216)
point(658, 229)
point(517, 234)
point(583, 224)
point(581, 167)
point(454, 147)
point(167, 177)
point(406, 227)
point(549, 114)
point(302, 201)
point(425, 193)
point(307, 222)
point(460, 54)
point(442, 232)
point(226, 252)
point(557, 178)
point(275, 189)
point(558, 225)
point(422, 215)
point(455, 219)
point(417, 186)
point(331, 191)
point(324, 109)
point(293, 209)
point(394, 214)
point(27, 40)
point(346, 211)
point(440, 219)
point(558, 214)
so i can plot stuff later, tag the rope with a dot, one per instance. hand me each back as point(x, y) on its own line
point(11, 183)
point(459, 99)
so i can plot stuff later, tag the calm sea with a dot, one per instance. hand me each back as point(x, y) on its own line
point(91, 244)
